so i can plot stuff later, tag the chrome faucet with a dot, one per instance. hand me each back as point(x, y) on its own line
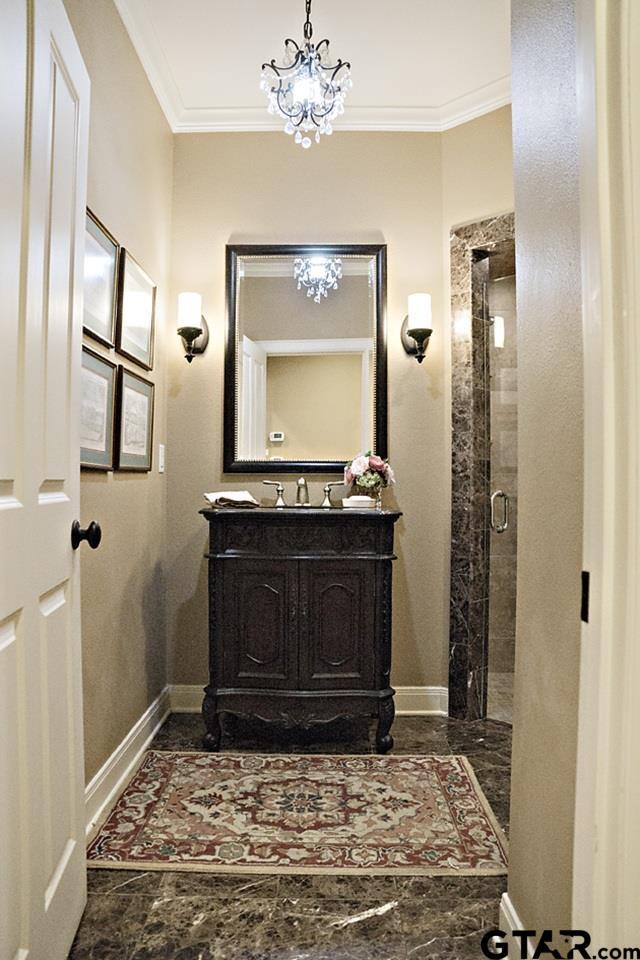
point(326, 503)
point(302, 493)
point(279, 492)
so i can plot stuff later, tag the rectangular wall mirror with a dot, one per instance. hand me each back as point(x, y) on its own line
point(306, 358)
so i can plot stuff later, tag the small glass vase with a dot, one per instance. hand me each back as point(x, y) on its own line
point(374, 492)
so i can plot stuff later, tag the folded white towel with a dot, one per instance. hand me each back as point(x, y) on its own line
point(231, 498)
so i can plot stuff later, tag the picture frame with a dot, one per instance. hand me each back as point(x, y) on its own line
point(136, 308)
point(97, 411)
point(100, 285)
point(134, 421)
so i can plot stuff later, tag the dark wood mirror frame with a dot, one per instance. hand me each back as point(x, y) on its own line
point(233, 253)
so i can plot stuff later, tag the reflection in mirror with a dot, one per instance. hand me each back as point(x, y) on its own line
point(305, 355)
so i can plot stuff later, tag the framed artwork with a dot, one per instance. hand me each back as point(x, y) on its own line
point(135, 313)
point(97, 410)
point(134, 407)
point(101, 257)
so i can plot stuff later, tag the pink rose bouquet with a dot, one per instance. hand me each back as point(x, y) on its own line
point(369, 474)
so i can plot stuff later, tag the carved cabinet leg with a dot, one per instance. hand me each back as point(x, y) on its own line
point(211, 739)
point(386, 713)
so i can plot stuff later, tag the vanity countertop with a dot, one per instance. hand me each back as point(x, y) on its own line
point(300, 513)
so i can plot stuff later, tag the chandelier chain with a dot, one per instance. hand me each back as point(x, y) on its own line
point(308, 29)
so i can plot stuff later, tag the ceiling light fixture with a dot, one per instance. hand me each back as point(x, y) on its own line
point(307, 91)
point(317, 275)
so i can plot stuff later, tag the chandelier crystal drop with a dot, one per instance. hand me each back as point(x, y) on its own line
point(307, 90)
point(317, 275)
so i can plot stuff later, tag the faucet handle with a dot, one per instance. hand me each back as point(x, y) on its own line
point(326, 503)
point(279, 491)
point(302, 493)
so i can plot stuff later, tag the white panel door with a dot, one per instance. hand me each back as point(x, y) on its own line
point(253, 402)
point(42, 191)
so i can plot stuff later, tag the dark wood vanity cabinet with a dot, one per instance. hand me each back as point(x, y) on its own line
point(300, 617)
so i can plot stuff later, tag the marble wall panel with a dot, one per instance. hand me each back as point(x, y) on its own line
point(471, 463)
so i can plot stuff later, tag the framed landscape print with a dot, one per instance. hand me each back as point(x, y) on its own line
point(101, 255)
point(135, 421)
point(97, 409)
point(135, 313)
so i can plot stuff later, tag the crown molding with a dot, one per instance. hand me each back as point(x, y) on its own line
point(279, 267)
point(151, 55)
point(184, 119)
point(389, 119)
point(476, 103)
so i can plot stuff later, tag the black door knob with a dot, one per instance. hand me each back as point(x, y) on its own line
point(93, 534)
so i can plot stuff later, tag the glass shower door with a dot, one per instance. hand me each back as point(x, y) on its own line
point(503, 364)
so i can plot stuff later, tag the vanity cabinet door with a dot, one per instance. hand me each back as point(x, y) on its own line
point(258, 627)
point(337, 625)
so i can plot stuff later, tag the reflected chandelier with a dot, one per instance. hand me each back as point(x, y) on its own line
point(318, 275)
point(307, 91)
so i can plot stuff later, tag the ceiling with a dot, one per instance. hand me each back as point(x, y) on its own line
point(416, 64)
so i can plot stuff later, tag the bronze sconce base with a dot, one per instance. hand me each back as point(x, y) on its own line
point(415, 340)
point(194, 340)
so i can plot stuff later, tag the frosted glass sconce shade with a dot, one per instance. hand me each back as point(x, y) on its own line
point(192, 326)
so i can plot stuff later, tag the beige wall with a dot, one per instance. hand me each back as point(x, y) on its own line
point(130, 187)
point(251, 188)
point(477, 178)
point(272, 308)
point(549, 462)
point(317, 402)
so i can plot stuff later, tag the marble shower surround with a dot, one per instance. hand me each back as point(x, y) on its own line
point(471, 466)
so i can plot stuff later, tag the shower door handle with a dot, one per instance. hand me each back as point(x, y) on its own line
point(496, 525)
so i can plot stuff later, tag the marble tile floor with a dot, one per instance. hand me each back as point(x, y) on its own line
point(200, 916)
point(500, 697)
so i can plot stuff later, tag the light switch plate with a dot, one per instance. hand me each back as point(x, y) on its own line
point(161, 458)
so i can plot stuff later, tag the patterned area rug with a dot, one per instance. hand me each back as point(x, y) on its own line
point(302, 814)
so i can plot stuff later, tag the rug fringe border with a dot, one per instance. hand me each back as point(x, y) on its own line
point(499, 832)
point(146, 867)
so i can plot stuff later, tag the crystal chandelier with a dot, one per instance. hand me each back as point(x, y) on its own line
point(317, 275)
point(307, 91)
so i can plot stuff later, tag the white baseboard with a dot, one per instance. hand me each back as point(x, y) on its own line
point(422, 701)
point(410, 701)
point(114, 773)
point(509, 920)
point(184, 698)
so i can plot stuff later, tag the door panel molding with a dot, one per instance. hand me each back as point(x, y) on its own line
point(329, 651)
point(44, 85)
point(259, 599)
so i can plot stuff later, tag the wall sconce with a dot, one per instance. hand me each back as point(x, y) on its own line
point(498, 332)
point(416, 328)
point(192, 326)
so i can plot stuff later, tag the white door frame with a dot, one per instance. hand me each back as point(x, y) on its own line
point(607, 834)
point(252, 435)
